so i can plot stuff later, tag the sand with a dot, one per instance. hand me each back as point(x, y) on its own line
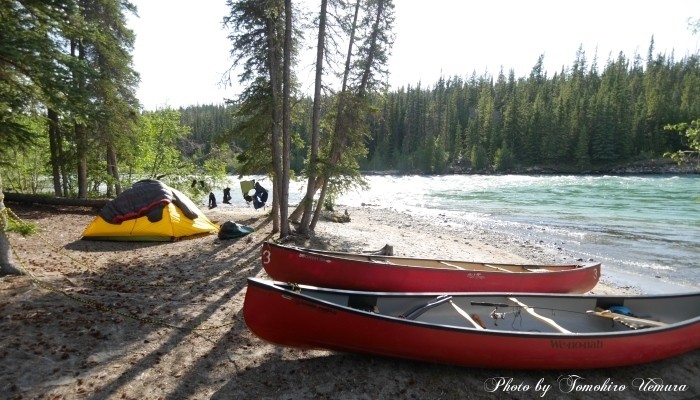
point(112, 320)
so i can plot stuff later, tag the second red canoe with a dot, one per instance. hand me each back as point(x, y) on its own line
point(406, 274)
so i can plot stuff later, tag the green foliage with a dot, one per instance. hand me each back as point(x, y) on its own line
point(24, 170)
point(582, 155)
point(583, 117)
point(434, 157)
point(503, 159)
point(343, 182)
point(209, 125)
point(256, 34)
point(23, 228)
point(71, 58)
point(478, 158)
point(691, 132)
point(156, 152)
point(252, 129)
point(33, 68)
point(215, 165)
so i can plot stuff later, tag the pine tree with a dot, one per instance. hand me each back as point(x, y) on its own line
point(313, 161)
point(258, 38)
point(358, 84)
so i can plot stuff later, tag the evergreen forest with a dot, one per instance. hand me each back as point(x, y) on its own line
point(583, 118)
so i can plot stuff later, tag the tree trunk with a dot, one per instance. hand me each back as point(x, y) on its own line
point(55, 152)
point(274, 68)
point(349, 104)
point(7, 265)
point(321, 199)
point(307, 202)
point(340, 132)
point(336, 148)
point(81, 145)
point(81, 149)
point(56, 201)
point(113, 170)
point(64, 177)
point(286, 119)
point(362, 91)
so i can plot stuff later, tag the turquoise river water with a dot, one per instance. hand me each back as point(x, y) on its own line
point(644, 229)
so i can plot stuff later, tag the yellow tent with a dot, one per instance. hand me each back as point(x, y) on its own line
point(149, 211)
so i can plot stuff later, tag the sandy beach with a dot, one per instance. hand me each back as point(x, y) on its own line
point(119, 320)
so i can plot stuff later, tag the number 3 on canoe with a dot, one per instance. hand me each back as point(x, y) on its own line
point(266, 257)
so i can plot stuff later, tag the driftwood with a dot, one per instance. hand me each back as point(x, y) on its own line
point(54, 201)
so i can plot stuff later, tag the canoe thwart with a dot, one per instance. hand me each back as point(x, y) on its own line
point(451, 265)
point(544, 319)
point(476, 322)
point(497, 268)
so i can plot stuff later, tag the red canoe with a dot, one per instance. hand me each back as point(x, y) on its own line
point(522, 331)
point(405, 274)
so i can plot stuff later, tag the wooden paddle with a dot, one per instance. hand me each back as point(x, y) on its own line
point(632, 322)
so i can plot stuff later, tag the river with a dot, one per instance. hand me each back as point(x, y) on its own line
point(644, 229)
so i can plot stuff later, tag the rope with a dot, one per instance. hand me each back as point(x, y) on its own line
point(95, 304)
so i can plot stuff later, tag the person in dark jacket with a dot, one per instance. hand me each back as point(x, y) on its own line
point(212, 200)
point(260, 197)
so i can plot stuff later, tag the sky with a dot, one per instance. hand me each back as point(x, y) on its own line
point(182, 51)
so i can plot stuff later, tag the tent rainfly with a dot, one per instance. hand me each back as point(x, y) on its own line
point(149, 211)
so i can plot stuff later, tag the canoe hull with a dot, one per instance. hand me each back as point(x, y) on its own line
point(290, 264)
point(287, 318)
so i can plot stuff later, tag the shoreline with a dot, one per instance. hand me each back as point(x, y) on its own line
point(654, 166)
point(432, 241)
point(163, 320)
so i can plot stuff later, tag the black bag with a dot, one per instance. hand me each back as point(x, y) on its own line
point(232, 230)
